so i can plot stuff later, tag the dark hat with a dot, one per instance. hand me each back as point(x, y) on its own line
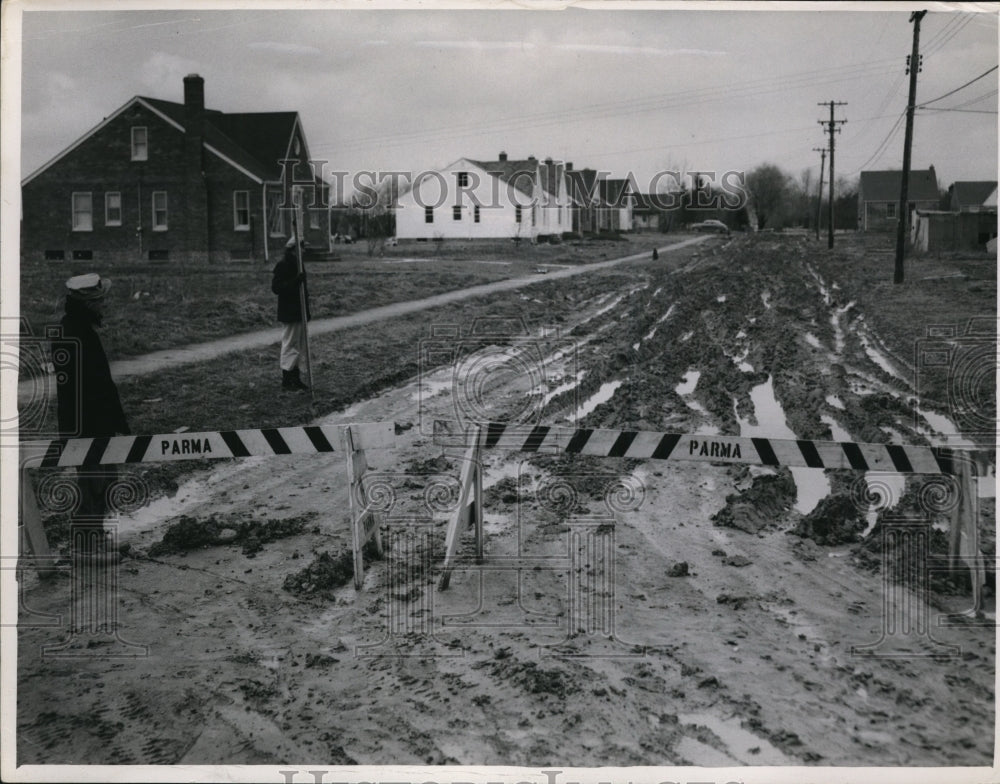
point(87, 287)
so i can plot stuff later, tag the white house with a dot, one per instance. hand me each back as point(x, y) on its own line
point(472, 199)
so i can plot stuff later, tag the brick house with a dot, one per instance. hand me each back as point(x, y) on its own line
point(158, 180)
point(878, 196)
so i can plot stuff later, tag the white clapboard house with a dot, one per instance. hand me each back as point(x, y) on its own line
point(501, 199)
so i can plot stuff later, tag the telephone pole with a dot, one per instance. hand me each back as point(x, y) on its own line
point(832, 127)
point(912, 67)
point(819, 195)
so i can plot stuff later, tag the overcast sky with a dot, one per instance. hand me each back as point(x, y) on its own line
point(621, 90)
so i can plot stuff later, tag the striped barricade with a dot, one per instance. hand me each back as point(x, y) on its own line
point(349, 440)
point(718, 449)
point(898, 458)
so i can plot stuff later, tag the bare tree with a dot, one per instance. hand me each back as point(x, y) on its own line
point(769, 188)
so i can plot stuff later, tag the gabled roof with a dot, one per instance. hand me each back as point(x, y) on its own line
point(972, 193)
point(520, 174)
point(885, 185)
point(253, 143)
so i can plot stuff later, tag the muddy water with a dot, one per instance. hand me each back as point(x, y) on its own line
point(602, 395)
point(811, 483)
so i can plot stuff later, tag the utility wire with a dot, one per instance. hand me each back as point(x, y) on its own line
point(952, 92)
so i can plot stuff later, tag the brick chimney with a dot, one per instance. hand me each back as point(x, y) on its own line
point(569, 166)
point(193, 212)
point(548, 161)
point(503, 155)
point(194, 119)
point(532, 158)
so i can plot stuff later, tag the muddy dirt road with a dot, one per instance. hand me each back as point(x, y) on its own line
point(673, 615)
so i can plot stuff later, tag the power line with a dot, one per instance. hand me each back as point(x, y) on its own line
point(938, 45)
point(952, 92)
point(880, 150)
point(752, 88)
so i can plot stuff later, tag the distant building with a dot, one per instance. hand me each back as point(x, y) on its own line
point(472, 199)
point(158, 180)
point(974, 196)
point(878, 197)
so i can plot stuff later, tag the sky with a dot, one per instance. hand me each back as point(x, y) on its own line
point(622, 91)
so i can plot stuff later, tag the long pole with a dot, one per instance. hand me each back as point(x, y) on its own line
point(819, 194)
point(832, 127)
point(302, 299)
point(903, 214)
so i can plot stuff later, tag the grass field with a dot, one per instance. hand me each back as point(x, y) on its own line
point(154, 306)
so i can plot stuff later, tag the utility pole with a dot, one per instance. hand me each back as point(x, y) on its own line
point(819, 195)
point(912, 67)
point(832, 126)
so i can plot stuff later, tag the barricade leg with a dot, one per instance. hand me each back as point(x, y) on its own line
point(905, 594)
point(469, 509)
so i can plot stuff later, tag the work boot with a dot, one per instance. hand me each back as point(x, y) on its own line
point(287, 381)
point(297, 382)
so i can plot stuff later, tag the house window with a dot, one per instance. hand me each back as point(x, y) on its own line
point(517, 213)
point(463, 179)
point(456, 212)
point(159, 210)
point(428, 214)
point(113, 208)
point(83, 212)
point(475, 214)
point(241, 210)
point(140, 143)
point(890, 210)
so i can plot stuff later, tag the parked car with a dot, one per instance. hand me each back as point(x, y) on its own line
point(710, 226)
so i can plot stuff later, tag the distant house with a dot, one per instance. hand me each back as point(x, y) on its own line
point(472, 199)
point(158, 180)
point(649, 211)
point(614, 211)
point(878, 196)
point(972, 196)
point(584, 198)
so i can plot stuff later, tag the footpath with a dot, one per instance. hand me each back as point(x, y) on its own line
point(204, 352)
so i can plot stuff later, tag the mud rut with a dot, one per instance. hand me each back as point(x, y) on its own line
point(745, 652)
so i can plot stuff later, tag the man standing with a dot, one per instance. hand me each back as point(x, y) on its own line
point(88, 405)
point(289, 283)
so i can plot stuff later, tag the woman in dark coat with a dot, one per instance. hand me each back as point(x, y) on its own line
point(87, 401)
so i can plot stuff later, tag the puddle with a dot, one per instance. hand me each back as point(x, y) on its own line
point(687, 386)
point(839, 434)
point(738, 740)
point(635, 346)
point(812, 340)
point(812, 484)
point(658, 291)
point(721, 298)
point(603, 395)
point(666, 315)
point(765, 297)
point(835, 401)
point(944, 432)
point(687, 336)
point(566, 386)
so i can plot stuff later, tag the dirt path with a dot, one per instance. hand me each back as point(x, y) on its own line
point(731, 645)
point(204, 352)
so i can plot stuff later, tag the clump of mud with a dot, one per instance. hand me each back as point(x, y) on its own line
point(191, 533)
point(323, 576)
point(836, 519)
point(761, 505)
point(506, 493)
point(433, 465)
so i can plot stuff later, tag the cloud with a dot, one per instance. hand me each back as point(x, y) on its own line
point(282, 47)
point(161, 69)
point(639, 50)
point(474, 44)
